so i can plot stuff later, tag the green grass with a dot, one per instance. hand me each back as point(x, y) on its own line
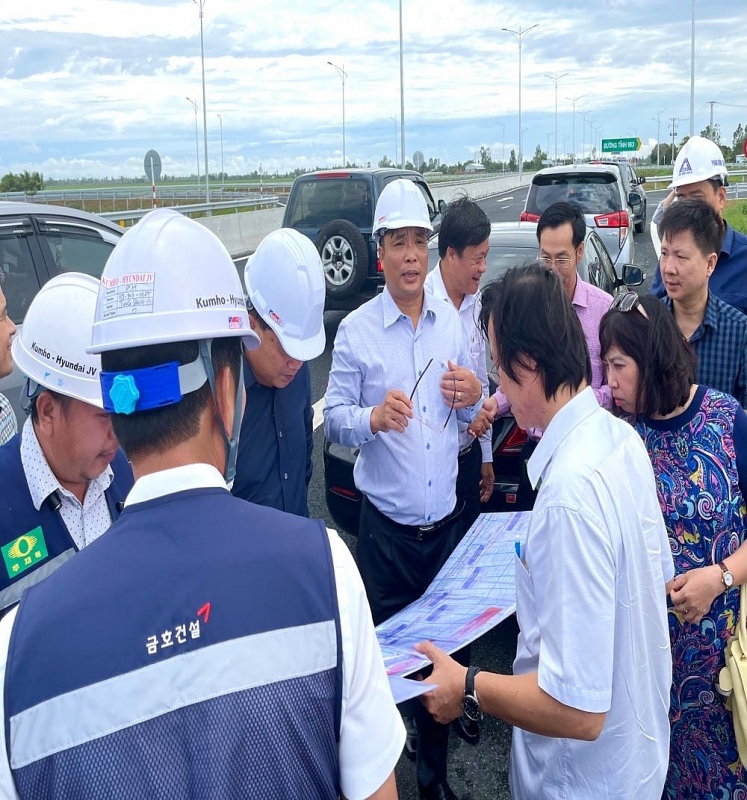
point(735, 214)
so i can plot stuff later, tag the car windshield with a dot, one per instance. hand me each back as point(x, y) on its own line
point(501, 257)
point(596, 194)
point(318, 202)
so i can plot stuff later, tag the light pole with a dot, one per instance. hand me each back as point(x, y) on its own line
point(591, 138)
point(197, 143)
point(692, 72)
point(394, 120)
point(549, 136)
point(519, 36)
point(556, 80)
point(401, 93)
point(658, 135)
point(573, 141)
point(201, 4)
point(521, 135)
point(503, 146)
point(343, 75)
point(222, 173)
point(565, 151)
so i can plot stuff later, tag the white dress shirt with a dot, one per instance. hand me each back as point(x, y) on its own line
point(591, 606)
point(469, 313)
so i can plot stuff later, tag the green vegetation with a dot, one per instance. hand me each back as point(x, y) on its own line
point(28, 182)
point(735, 214)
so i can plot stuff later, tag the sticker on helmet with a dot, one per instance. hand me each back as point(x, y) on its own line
point(685, 168)
point(128, 294)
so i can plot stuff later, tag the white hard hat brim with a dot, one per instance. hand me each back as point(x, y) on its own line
point(305, 349)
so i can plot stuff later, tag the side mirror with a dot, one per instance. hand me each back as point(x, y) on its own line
point(441, 206)
point(634, 199)
point(642, 180)
point(633, 275)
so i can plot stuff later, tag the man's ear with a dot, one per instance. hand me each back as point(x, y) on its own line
point(47, 411)
point(225, 397)
point(711, 264)
point(580, 250)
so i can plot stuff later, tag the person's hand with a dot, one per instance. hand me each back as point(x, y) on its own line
point(694, 591)
point(445, 702)
point(393, 414)
point(481, 423)
point(487, 482)
point(460, 387)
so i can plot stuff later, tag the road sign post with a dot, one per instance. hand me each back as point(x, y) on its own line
point(152, 166)
point(622, 145)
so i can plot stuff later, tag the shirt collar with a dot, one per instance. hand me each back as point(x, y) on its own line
point(39, 476)
point(177, 479)
point(728, 241)
point(438, 288)
point(561, 426)
point(392, 311)
point(581, 294)
point(710, 317)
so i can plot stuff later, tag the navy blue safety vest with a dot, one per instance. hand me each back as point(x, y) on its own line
point(35, 543)
point(192, 652)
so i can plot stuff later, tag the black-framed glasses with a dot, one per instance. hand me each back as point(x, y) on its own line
point(451, 410)
point(627, 301)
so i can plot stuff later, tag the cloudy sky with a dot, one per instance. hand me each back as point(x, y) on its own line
point(88, 86)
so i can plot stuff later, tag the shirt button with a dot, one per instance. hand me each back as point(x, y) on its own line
point(428, 446)
point(423, 409)
point(430, 482)
point(280, 434)
point(285, 476)
point(428, 518)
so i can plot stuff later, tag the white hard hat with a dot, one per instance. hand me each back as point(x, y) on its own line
point(50, 350)
point(169, 279)
point(699, 160)
point(285, 283)
point(401, 205)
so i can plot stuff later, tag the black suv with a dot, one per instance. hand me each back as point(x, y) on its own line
point(335, 210)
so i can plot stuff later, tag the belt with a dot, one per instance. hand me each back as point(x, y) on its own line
point(468, 449)
point(419, 531)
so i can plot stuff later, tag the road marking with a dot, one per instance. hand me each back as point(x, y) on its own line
point(506, 198)
point(505, 207)
point(318, 417)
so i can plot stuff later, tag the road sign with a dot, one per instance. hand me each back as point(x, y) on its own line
point(418, 159)
point(620, 145)
point(152, 164)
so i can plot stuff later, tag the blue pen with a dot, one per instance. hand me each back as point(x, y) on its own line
point(517, 546)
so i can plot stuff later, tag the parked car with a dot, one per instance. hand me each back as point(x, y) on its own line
point(511, 244)
point(38, 242)
point(599, 190)
point(335, 210)
point(633, 185)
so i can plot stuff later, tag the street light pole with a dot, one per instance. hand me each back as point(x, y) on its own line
point(343, 75)
point(519, 36)
point(201, 4)
point(692, 72)
point(394, 120)
point(503, 146)
point(222, 172)
point(197, 143)
point(556, 80)
point(658, 135)
point(573, 141)
point(401, 92)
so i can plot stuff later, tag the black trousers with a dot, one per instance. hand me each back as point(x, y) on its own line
point(397, 563)
point(525, 496)
point(468, 484)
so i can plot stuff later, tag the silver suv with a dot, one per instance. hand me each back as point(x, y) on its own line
point(634, 188)
point(599, 190)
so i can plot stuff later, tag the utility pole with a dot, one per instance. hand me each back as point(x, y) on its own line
point(583, 132)
point(658, 135)
point(519, 36)
point(711, 103)
point(401, 91)
point(692, 72)
point(673, 130)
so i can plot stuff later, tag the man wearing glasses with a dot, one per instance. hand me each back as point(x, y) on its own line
point(561, 231)
point(396, 390)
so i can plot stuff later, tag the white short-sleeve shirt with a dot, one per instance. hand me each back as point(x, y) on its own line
point(591, 605)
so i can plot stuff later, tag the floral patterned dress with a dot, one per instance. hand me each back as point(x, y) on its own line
point(699, 460)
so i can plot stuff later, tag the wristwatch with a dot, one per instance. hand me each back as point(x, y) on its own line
point(470, 703)
point(726, 577)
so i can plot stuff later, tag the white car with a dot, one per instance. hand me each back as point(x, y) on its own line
point(599, 191)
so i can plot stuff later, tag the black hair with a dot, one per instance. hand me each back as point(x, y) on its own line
point(666, 361)
point(255, 315)
point(63, 400)
point(559, 214)
point(463, 224)
point(533, 319)
point(159, 429)
point(695, 216)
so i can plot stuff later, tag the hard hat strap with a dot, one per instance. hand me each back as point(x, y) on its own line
point(232, 443)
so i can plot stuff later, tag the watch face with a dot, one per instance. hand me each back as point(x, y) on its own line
point(728, 579)
point(471, 708)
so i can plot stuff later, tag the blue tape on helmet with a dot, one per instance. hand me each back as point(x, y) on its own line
point(141, 389)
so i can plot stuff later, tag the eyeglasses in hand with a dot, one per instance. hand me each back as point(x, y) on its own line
point(421, 420)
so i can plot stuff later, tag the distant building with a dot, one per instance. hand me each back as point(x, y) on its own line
point(474, 167)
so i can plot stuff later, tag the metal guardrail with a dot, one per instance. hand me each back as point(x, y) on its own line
point(196, 208)
point(667, 179)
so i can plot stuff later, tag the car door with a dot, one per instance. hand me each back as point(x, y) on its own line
point(599, 264)
point(72, 245)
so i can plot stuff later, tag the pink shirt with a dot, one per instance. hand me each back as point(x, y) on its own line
point(591, 305)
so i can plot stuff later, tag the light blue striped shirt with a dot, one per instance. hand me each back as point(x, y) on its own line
point(410, 476)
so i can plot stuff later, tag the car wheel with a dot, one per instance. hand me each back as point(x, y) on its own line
point(344, 255)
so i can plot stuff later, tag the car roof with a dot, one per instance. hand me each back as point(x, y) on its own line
point(15, 209)
point(580, 169)
point(344, 173)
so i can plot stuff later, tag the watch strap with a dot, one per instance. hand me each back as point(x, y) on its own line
point(724, 569)
point(469, 683)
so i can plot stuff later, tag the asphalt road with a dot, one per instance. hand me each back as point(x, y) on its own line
point(475, 772)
